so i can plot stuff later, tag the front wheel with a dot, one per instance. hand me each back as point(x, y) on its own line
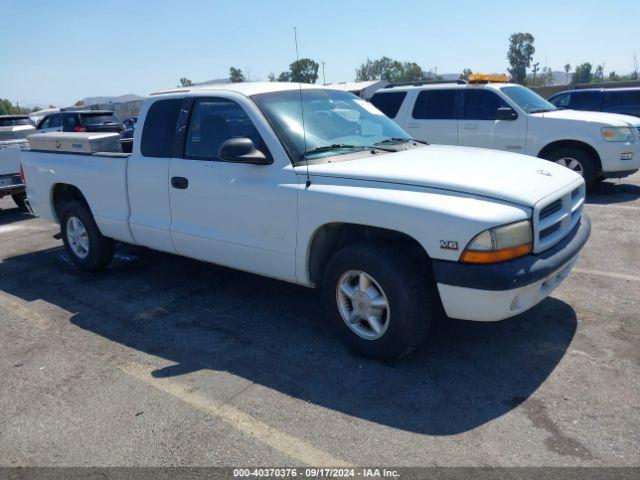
point(577, 160)
point(87, 248)
point(378, 300)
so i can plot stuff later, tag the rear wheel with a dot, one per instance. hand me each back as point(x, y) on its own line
point(577, 160)
point(86, 246)
point(20, 200)
point(378, 300)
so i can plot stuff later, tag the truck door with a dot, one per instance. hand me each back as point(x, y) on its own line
point(148, 175)
point(480, 127)
point(235, 214)
point(434, 117)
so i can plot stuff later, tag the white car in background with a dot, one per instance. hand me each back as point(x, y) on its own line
point(505, 116)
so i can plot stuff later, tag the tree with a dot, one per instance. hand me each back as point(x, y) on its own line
point(235, 75)
point(583, 73)
point(520, 54)
point(547, 76)
point(614, 77)
point(535, 70)
point(465, 74)
point(635, 75)
point(385, 68)
point(271, 77)
point(79, 103)
point(599, 73)
point(304, 70)
point(185, 82)
point(284, 77)
point(567, 69)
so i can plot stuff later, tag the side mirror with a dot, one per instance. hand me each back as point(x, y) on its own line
point(506, 113)
point(242, 150)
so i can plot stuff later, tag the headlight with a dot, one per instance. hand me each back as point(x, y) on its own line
point(500, 243)
point(617, 134)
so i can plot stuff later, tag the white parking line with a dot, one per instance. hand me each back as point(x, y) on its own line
point(600, 273)
point(289, 445)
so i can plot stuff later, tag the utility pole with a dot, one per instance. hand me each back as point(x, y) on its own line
point(324, 80)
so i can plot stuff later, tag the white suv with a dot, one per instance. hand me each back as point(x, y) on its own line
point(511, 117)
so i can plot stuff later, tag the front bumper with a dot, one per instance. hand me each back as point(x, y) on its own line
point(501, 290)
point(618, 158)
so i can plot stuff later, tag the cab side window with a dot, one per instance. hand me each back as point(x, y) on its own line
point(561, 101)
point(55, 121)
point(44, 123)
point(70, 121)
point(214, 121)
point(584, 101)
point(482, 105)
point(159, 130)
point(436, 104)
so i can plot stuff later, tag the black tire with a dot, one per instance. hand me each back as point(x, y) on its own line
point(405, 285)
point(19, 199)
point(100, 248)
point(587, 163)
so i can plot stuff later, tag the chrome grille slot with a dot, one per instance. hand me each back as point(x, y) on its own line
point(555, 217)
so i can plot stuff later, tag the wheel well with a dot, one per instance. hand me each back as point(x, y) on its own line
point(331, 237)
point(64, 193)
point(546, 151)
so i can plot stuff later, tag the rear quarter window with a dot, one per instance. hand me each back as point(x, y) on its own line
point(389, 102)
point(159, 129)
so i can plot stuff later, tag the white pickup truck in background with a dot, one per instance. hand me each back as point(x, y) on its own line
point(511, 117)
point(14, 130)
point(346, 200)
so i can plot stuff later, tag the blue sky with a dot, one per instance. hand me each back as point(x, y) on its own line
point(58, 51)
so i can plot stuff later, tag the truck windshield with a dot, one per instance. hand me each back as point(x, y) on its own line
point(527, 99)
point(335, 122)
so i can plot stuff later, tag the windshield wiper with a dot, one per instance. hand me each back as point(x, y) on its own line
point(400, 140)
point(343, 146)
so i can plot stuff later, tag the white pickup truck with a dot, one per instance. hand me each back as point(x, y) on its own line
point(14, 130)
point(511, 117)
point(346, 200)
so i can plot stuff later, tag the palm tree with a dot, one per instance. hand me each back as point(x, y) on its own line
point(567, 69)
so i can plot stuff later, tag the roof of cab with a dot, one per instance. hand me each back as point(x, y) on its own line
point(441, 85)
point(244, 88)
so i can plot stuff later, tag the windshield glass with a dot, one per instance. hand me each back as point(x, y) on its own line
point(335, 122)
point(11, 122)
point(527, 99)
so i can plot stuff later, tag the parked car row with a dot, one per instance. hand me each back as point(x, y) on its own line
point(14, 130)
point(503, 116)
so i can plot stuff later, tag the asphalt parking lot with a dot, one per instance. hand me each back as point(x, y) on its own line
point(161, 360)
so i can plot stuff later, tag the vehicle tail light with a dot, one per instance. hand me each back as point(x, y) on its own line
point(22, 179)
point(79, 128)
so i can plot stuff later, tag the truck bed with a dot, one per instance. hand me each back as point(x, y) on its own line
point(101, 177)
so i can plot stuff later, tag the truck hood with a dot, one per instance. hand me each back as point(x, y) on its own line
point(510, 177)
point(602, 118)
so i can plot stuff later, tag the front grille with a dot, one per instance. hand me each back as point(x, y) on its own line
point(555, 217)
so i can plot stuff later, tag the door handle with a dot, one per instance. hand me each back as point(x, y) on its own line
point(470, 127)
point(413, 125)
point(180, 183)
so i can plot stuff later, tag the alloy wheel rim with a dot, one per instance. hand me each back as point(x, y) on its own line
point(572, 164)
point(77, 237)
point(363, 305)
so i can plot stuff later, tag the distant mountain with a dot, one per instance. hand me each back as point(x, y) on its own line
point(121, 98)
